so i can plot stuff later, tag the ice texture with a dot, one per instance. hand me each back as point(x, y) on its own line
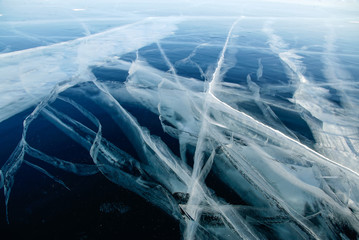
point(30, 74)
point(289, 186)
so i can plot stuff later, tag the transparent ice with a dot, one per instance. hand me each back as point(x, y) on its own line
point(291, 187)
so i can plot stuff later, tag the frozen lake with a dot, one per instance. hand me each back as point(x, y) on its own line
point(179, 120)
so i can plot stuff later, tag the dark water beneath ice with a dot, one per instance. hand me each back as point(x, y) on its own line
point(97, 208)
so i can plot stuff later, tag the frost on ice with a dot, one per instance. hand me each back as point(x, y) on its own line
point(288, 188)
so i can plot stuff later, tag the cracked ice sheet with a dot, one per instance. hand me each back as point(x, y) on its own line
point(293, 187)
point(335, 126)
point(288, 186)
point(29, 75)
point(295, 184)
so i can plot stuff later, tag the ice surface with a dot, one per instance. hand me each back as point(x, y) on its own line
point(25, 74)
point(230, 123)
